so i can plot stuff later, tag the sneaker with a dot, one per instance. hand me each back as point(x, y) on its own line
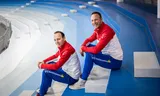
point(78, 85)
point(50, 90)
point(38, 90)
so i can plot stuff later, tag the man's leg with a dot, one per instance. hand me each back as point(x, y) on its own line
point(45, 84)
point(58, 75)
point(100, 59)
point(88, 65)
point(44, 87)
point(106, 61)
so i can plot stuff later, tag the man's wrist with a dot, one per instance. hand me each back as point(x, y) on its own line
point(82, 48)
point(40, 66)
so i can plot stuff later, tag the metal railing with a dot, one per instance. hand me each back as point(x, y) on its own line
point(5, 37)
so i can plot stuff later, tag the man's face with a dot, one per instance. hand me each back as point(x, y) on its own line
point(96, 20)
point(59, 40)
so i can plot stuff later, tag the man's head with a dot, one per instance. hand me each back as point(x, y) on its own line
point(59, 38)
point(96, 19)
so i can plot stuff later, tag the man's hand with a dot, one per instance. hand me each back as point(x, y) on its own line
point(81, 52)
point(39, 64)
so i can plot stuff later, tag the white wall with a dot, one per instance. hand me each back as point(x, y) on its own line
point(119, 1)
point(158, 9)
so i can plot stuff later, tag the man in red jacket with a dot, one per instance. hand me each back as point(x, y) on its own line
point(107, 53)
point(66, 69)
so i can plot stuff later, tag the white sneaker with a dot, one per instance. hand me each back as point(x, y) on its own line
point(50, 90)
point(78, 85)
point(38, 90)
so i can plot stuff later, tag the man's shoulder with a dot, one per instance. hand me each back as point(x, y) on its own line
point(106, 26)
point(69, 47)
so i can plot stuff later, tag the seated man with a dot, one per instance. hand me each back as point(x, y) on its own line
point(66, 69)
point(107, 53)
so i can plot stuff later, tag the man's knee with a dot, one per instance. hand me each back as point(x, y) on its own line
point(88, 54)
point(44, 72)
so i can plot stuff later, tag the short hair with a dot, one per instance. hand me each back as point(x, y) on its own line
point(62, 34)
point(97, 13)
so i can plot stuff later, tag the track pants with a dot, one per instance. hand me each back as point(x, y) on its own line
point(57, 75)
point(105, 61)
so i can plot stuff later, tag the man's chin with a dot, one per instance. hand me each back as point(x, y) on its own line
point(95, 27)
point(58, 45)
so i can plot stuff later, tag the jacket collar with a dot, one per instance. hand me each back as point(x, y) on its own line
point(100, 27)
point(62, 47)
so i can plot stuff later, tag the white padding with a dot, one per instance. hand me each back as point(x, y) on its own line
point(98, 80)
point(91, 3)
point(73, 11)
point(27, 4)
point(22, 6)
point(82, 6)
point(32, 1)
point(64, 15)
point(96, 5)
point(146, 64)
